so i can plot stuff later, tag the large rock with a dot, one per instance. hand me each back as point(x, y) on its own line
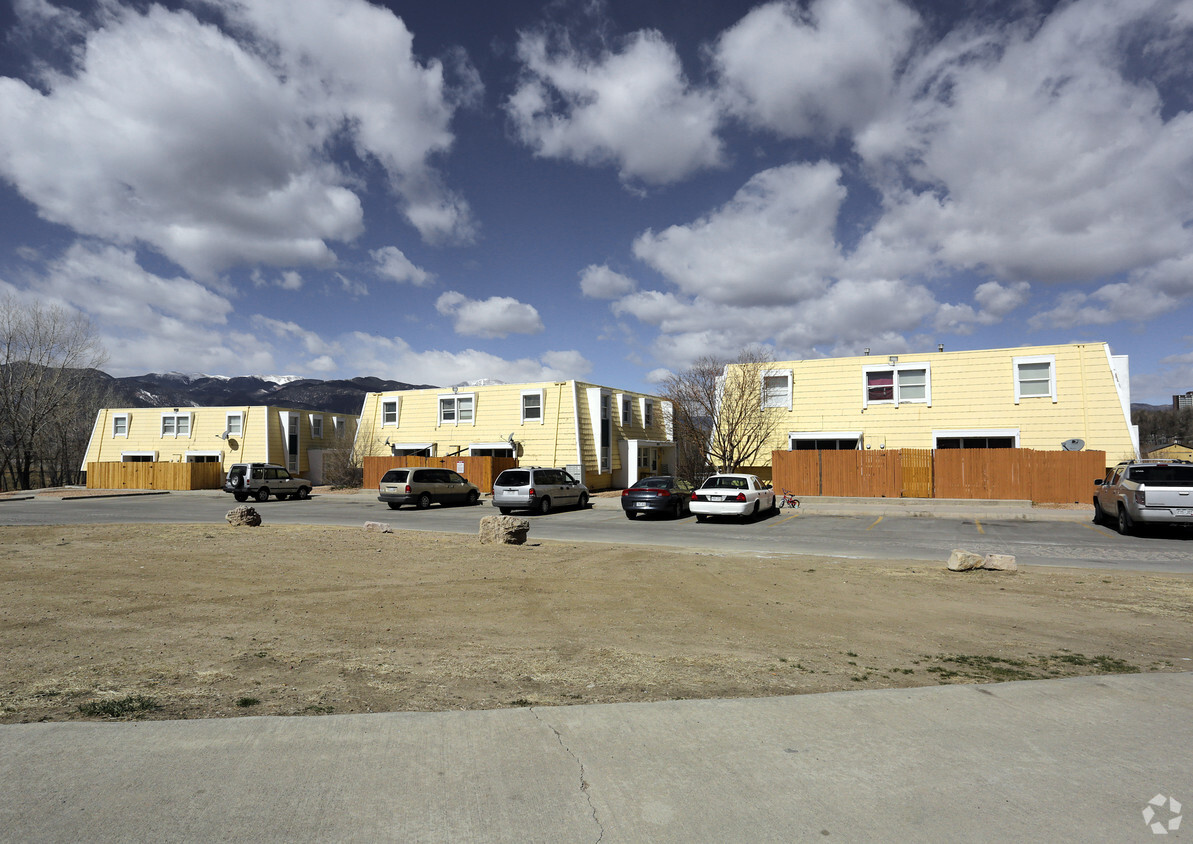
point(1000, 562)
point(504, 530)
point(243, 515)
point(965, 560)
point(378, 527)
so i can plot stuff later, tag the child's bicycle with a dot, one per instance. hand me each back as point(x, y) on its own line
point(787, 500)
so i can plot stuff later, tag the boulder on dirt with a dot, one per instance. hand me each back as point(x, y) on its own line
point(504, 530)
point(378, 527)
point(1000, 562)
point(965, 560)
point(243, 515)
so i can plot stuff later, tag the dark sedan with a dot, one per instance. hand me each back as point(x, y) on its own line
point(660, 494)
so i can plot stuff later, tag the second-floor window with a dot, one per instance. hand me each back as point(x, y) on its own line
point(897, 384)
point(627, 410)
point(120, 425)
point(532, 406)
point(1035, 377)
point(176, 424)
point(234, 424)
point(389, 412)
point(776, 389)
point(316, 425)
point(456, 410)
point(647, 413)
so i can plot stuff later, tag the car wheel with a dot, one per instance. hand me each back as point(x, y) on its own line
point(582, 504)
point(473, 497)
point(1099, 516)
point(544, 506)
point(700, 517)
point(505, 511)
point(1126, 525)
point(393, 505)
point(303, 493)
point(262, 494)
point(424, 501)
point(678, 513)
point(631, 515)
point(240, 496)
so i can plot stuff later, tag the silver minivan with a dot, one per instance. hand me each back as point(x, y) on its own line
point(538, 489)
point(423, 487)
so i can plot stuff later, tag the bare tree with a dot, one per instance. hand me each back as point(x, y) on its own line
point(718, 403)
point(341, 462)
point(48, 356)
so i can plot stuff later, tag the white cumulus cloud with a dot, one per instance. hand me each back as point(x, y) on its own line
point(495, 317)
point(393, 263)
point(600, 282)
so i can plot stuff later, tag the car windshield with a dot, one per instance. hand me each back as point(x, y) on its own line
point(1164, 475)
point(521, 478)
point(724, 482)
point(653, 483)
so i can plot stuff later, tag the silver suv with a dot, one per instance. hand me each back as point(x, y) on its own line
point(538, 489)
point(422, 487)
point(1145, 492)
point(261, 480)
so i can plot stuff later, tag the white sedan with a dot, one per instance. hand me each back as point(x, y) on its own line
point(732, 495)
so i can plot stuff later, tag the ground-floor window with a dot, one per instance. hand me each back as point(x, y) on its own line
point(994, 438)
point(137, 457)
point(824, 441)
point(501, 451)
point(202, 458)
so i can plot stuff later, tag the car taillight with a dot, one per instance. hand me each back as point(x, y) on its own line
point(624, 493)
point(694, 497)
point(661, 491)
point(531, 491)
point(407, 488)
point(1141, 497)
point(741, 496)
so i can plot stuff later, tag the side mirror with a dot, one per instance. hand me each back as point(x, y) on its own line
point(1098, 481)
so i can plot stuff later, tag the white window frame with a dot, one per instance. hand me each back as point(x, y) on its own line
point(786, 374)
point(896, 391)
point(400, 449)
point(455, 399)
point(647, 406)
point(316, 426)
point(965, 433)
point(793, 436)
point(397, 405)
point(174, 417)
point(625, 409)
point(542, 417)
point(122, 417)
point(1029, 359)
point(218, 455)
point(239, 417)
point(152, 455)
point(339, 426)
point(497, 446)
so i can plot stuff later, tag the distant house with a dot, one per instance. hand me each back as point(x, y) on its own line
point(606, 437)
point(1172, 451)
point(1036, 397)
point(258, 433)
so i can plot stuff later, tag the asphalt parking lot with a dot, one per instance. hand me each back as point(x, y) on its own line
point(879, 529)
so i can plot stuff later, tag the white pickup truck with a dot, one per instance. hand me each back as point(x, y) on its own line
point(1145, 492)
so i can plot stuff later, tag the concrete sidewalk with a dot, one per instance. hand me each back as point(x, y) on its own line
point(1059, 760)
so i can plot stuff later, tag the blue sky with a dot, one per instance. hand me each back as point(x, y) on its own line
point(445, 191)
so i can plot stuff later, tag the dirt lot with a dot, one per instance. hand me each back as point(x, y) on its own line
point(214, 621)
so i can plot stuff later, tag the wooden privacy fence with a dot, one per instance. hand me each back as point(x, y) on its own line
point(176, 476)
point(1043, 477)
point(482, 471)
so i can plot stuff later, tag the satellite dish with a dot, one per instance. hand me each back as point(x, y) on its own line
point(1073, 444)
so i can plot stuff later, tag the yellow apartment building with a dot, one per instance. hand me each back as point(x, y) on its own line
point(290, 437)
point(606, 437)
point(1036, 397)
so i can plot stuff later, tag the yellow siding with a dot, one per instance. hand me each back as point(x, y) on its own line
point(972, 390)
point(498, 413)
point(261, 440)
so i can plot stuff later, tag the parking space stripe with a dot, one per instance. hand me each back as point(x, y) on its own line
point(876, 521)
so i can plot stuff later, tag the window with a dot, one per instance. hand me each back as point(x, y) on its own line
point(647, 412)
point(389, 413)
point(776, 388)
point(456, 409)
point(120, 425)
point(898, 384)
point(1035, 377)
point(234, 424)
point(138, 456)
point(627, 411)
point(317, 426)
point(991, 438)
point(203, 457)
point(176, 424)
point(338, 426)
point(824, 440)
point(532, 406)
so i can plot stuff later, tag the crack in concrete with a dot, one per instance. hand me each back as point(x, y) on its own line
point(583, 782)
